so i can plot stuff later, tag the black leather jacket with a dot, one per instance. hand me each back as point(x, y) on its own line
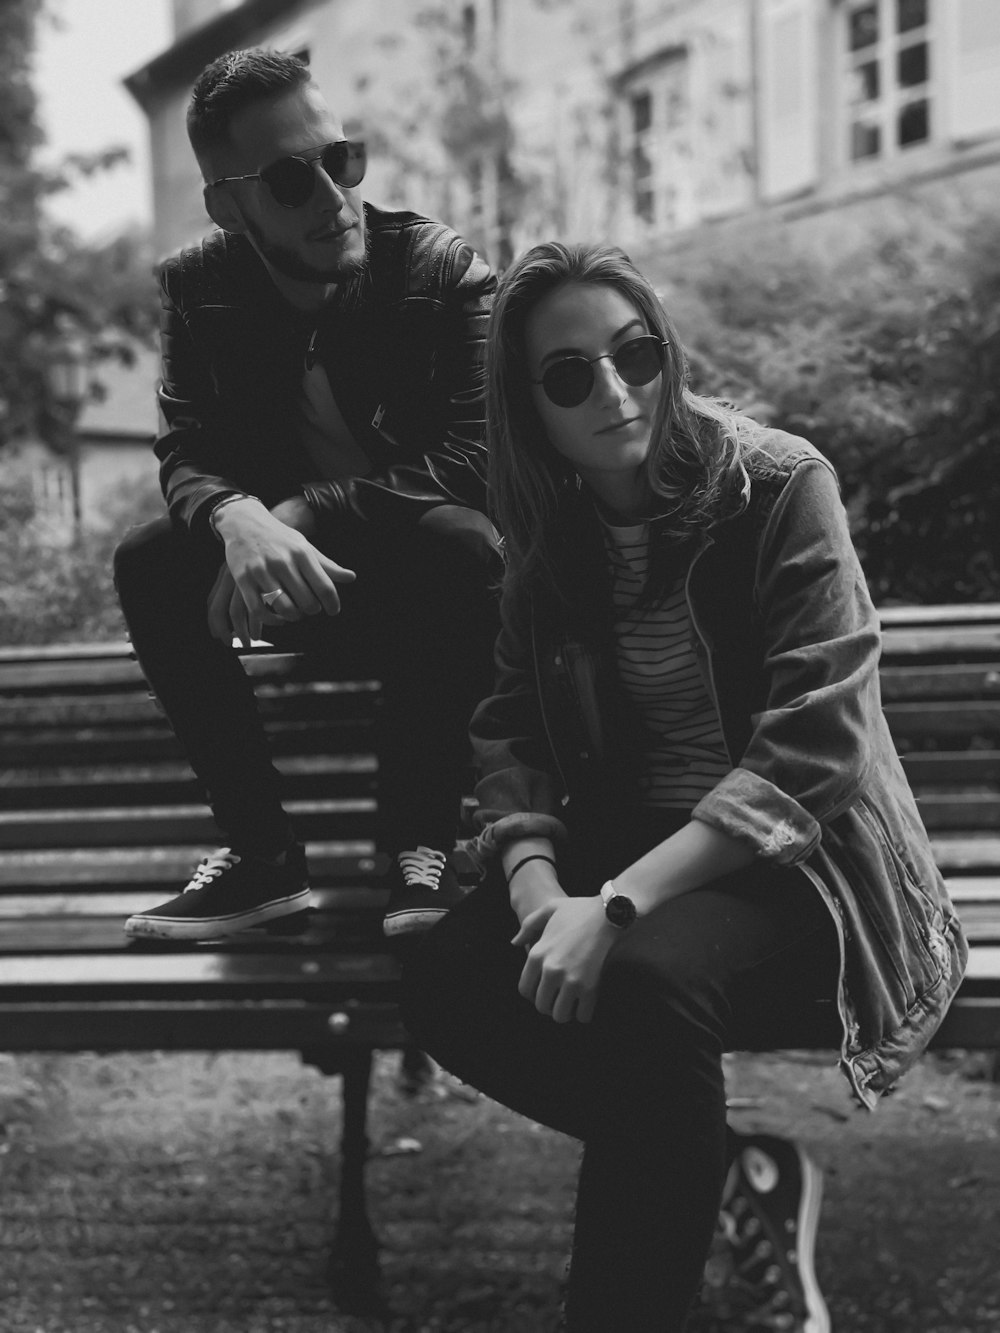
point(403, 348)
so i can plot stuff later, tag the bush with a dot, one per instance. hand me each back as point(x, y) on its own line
point(888, 360)
point(54, 593)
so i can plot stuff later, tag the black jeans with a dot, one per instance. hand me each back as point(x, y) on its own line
point(739, 962)
point(421, 617)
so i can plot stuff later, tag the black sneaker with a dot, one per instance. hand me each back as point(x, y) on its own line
point(228, 892)
point(423, 888)
point(760, 1275)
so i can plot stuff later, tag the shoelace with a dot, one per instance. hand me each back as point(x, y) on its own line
point(423, 866)
point(211, 867)
point(757, 1299)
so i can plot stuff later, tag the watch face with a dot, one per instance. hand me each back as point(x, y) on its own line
point(620, 911)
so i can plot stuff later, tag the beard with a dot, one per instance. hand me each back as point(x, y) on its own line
point(292, 265)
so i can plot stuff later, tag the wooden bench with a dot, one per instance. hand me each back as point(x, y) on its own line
point(99, 817)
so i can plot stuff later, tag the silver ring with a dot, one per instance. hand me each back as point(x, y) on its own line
point(269, 598)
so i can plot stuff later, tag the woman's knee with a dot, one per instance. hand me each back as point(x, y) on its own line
point(647, 981)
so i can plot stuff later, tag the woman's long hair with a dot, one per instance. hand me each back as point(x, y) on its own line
point(693, 469)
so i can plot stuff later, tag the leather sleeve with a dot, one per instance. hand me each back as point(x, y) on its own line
point(191, 444)
point(453, 470)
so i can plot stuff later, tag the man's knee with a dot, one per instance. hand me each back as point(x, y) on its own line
point(465, 537)
point(158, 555)
point(138, 549)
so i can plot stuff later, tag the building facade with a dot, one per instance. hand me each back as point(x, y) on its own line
point(640, 121)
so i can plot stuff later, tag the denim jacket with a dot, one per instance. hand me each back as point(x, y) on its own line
point(788, 643)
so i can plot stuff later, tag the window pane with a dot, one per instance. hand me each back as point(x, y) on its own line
point(866, 141)
point(910, 14)
point(866, 82)
point(642, 112)
point(643, 204)
point(914, 123)
point(911, 65)
point(863, 27)
point(642, 166)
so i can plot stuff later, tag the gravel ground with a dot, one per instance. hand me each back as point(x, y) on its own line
point(192, 1194)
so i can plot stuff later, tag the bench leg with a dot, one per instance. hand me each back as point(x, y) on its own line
point(354, 1268)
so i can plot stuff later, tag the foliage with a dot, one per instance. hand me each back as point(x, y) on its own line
point(57, 593)
point(887, 358)
point(51, 284)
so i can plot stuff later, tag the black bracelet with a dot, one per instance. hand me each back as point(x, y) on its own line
point(535, 856)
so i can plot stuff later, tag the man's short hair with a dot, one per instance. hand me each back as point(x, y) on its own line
point(232, 82)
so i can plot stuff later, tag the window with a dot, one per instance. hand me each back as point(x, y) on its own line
point(656, 118)
point(643, 191)
point(469, 28)
point(888, 77)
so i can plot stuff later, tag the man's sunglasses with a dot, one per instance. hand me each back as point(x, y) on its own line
point(570, 381)
point(292, 180)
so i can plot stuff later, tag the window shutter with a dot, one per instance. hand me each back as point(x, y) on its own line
point(971, 41)
point(788, 124)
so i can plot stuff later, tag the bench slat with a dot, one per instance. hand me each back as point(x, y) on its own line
point(938, 768)
point(327, 777)
point(975, 810)
point(63, 714)
point(339, 931)
point(956, 852)
point(164, 825)
point(962, 613)
point(19, 908)
point(145, 1025)
point(56, 750)
point(953, 642)
point(210, 970)
point(947, 718)
point(984, 963)
point(954, 681)
point(169, 867)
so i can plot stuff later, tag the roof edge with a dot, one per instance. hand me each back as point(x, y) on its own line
point(183, 61)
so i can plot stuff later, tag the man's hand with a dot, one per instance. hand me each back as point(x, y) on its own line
point(569, 939)
point(267, 552)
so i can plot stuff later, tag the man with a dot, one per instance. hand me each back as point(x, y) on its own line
point(321, 456)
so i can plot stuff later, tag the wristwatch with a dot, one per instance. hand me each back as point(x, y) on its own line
point(619, 910)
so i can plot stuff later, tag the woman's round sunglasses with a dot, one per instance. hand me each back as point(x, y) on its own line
point(570, 381)
point(292, 180)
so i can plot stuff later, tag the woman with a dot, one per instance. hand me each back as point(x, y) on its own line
point(696, 832)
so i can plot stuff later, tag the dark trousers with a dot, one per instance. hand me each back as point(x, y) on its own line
point(421, 618)
point(738, 962)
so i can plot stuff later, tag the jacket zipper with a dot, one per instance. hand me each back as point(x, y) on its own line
point(541, 708)
point(706, 654)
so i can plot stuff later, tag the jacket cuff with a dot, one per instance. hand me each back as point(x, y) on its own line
point(325, 498)
point(490, 842)
point(754, 810)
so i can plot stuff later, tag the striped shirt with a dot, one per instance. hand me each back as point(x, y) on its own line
point(684, 754)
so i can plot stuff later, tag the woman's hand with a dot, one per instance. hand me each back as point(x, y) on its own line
point(567, 941)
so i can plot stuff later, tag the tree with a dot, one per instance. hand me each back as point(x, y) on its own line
point(888, 359)
point(51, 283)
